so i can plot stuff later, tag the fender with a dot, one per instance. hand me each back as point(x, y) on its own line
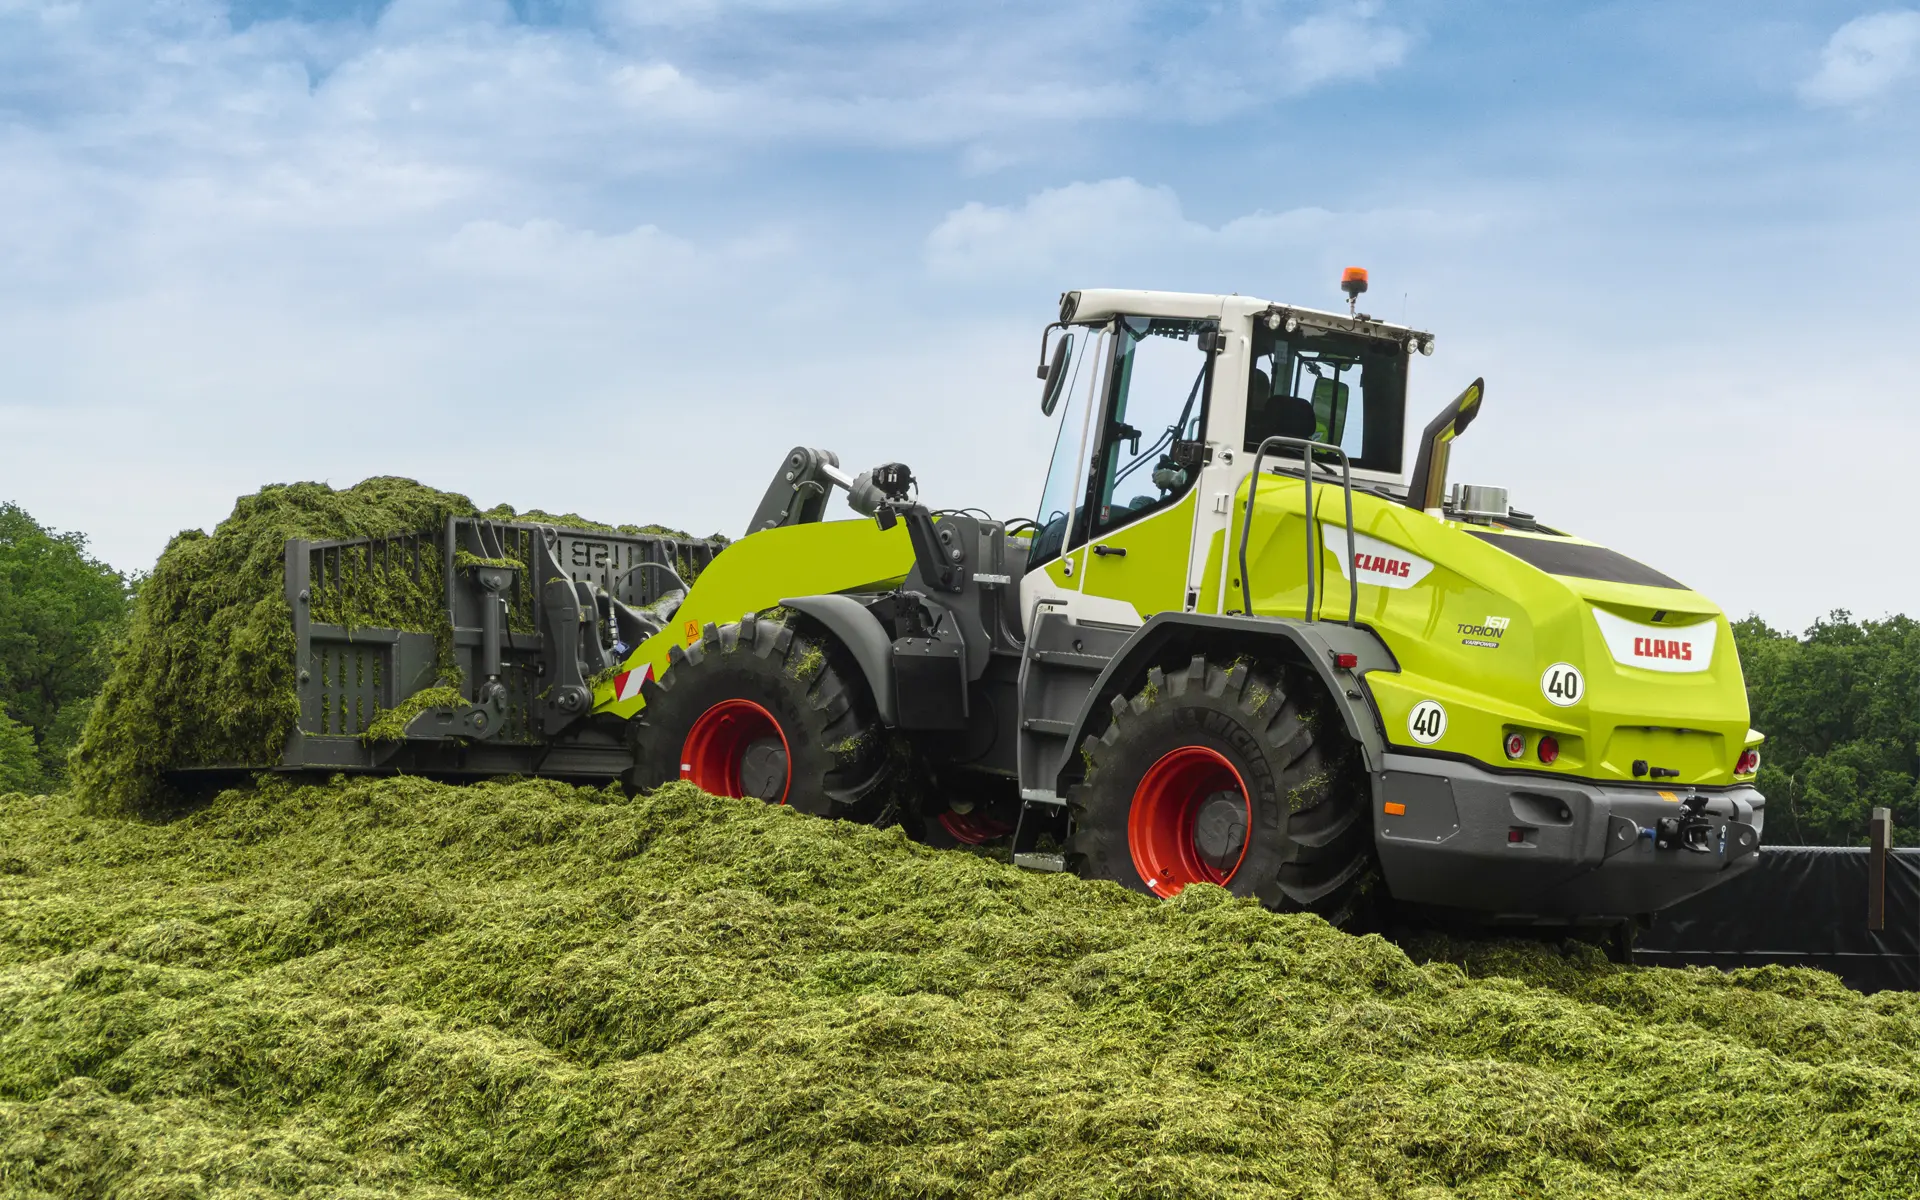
point(1310, 644)
point(864, 637)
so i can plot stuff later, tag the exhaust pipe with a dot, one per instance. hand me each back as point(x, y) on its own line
point(1427, 490)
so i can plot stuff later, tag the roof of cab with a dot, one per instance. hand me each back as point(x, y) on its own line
point(1095, 305)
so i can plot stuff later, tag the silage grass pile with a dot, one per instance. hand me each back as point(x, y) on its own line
point(400, 988)
point(205, 674)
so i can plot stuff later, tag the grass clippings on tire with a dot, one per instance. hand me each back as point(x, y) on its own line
point(401, 988)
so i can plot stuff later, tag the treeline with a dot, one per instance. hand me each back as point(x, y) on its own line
point(59, 611)
point(1840, 705)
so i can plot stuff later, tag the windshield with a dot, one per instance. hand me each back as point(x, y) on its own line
point(1066, 481)
point(1338, 388)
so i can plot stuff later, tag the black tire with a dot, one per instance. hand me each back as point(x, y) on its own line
point(1616, 941)
point(1296, 794)
point(836, 757)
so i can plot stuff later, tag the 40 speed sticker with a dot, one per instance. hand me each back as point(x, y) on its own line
point(1427, 722)
point(1562, 684)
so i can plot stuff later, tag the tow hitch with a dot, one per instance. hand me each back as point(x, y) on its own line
point(1689, 831)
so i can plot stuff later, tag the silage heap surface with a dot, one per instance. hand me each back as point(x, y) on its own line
point(395, 987)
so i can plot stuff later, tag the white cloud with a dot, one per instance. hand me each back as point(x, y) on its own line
point(1127, 226)
point(1340, 44)
point(458, 94)
point(1244, 55)
point(1865, 59)
point(1052, 228)
point(548, 250)
point(681, 14)
point(617, 262)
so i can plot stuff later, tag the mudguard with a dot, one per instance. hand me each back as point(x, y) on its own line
point(864, 637)
point(1314, 645)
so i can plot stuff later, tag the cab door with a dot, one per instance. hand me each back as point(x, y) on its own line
point(1057, 549)
point(1147, 456)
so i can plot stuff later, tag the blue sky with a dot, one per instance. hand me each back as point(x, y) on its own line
point(617, 257)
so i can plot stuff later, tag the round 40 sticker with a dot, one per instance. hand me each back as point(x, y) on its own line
point(1563, 685)
point(1427, 722)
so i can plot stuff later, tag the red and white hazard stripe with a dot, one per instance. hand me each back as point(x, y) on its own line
point(626, 685)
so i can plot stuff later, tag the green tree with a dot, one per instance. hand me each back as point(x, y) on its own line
point(59, 608)
point(19, 757)
point(1841, 710)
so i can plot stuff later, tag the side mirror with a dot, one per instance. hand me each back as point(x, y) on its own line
point(1055, 374)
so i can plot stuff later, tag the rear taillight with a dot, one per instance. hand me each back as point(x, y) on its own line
point(1549, 748)
point(1516, 745)
point(1748, 764)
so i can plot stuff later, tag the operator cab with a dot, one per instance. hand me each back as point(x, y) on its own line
point(1157, 390)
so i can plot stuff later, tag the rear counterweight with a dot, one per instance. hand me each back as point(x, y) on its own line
point(1534, 847)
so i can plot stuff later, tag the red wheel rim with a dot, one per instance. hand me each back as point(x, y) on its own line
point(716, 755)
point(1181, 827)
point(974, 828)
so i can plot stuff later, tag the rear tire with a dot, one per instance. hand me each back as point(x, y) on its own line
point(756, 709)
point(1232, 776)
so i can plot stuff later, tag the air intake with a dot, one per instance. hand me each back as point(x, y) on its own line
point(1477, 503)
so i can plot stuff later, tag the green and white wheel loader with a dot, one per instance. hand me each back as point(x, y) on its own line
point(1239, 643)
point(1250, 637)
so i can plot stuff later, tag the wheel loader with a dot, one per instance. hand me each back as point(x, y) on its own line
point(1251, 636)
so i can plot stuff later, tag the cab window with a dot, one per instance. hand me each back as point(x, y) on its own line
point(1148, 453)
point(1332, 387)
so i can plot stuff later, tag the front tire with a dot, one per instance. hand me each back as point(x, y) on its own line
point(1231, 776)
point(758, 709)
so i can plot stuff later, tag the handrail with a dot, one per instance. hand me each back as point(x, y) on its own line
point(1308, 448)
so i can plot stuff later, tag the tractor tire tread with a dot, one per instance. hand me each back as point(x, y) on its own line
point(1321, 858)
point(850, 766)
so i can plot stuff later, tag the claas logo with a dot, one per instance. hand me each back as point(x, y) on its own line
point(1662, 648)
point(1384, 566)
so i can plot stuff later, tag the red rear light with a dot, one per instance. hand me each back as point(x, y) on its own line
point(1748, 764)
point(1346, 662)
point(1516, 745)
point(1549, 748)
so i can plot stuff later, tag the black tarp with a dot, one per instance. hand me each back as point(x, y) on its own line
point(1801, 906)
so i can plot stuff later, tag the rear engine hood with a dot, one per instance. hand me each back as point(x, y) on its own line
point(1664, 691)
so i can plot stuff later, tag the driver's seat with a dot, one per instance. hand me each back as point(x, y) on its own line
point(1275, 416)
